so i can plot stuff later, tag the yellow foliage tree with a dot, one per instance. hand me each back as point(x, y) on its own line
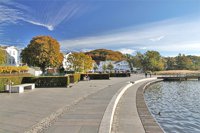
point(3, 57)
point(80, 62)
point(43, 51)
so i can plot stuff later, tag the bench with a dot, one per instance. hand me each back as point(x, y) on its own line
point(20, 88)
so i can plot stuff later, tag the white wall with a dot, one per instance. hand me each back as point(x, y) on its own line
point(14, 56)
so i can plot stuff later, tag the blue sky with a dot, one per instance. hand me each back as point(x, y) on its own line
point(168, 26)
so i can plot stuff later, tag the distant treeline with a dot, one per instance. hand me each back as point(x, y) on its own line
point(153, 61)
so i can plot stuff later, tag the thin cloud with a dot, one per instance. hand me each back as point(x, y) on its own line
point(176, 35)
point(157, 38)
point(47, 15)
point(49, 27)
point(127, 51)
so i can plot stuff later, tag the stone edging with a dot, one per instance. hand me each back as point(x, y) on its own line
point(106, 122)
point(149, 123)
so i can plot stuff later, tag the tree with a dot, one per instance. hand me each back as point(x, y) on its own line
point(80, 62)
point(3, 57)
point(137, 60)
point(104, 67)
point(183, 62)
point(43, 51)
point(170, 63)
point(104, 54)
point(110, 67)
point(95, 67)
point(153, 61)
point(130, 61)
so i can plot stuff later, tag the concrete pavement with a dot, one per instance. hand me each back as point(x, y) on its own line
point(126, 118)
point(83, 104)
point(132, 115)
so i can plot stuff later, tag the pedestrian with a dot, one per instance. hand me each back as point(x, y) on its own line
point(145, 74)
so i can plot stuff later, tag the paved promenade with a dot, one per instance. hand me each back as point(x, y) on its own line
point(126, 118)
point(78, 109)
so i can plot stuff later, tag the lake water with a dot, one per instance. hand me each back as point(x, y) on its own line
point(178, 104)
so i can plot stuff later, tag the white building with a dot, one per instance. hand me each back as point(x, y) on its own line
point(117, 65)
point(13, 58)
point(35, 71)
point(104, 63)
point(66, 63)
point(122, 66)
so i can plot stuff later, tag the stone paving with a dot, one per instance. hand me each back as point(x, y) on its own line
point(20, 112)
point(132, 114)
point(126, 118)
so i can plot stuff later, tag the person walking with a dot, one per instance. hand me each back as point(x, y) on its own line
point(145, 74)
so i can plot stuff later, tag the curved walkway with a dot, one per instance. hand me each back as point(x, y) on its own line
point(132, 115)
point(49, 108)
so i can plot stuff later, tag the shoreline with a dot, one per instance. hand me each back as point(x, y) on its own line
point(148, 121)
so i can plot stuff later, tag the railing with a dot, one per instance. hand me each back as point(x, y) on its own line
point(182, 75)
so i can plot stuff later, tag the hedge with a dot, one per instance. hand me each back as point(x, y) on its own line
point(4, 75)
point(120, 74)
point(13, 69)
point(95, 76)
point(74, 78)
point(4, 80)
point(47, 81)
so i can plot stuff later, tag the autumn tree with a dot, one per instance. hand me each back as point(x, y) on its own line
point(3, 57)
point(43, 51)
point(80, 62)
point(105, 54)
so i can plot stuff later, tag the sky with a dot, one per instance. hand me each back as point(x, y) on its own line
point(168, 26)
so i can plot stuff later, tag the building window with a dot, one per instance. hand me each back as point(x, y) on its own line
point(13, 52)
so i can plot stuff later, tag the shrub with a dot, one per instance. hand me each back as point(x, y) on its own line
point(120, 74)
point(13, 69)
point(47, 81)
point(15, 75)
point(74, 78)
point(96, 76)
point(4, 80)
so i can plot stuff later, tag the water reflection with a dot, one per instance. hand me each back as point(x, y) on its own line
point(178, 104)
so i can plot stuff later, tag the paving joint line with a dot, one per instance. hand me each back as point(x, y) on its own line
point(48, 121)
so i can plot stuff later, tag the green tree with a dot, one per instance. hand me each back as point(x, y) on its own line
point(153, 61)
point(95, 67)
point(3, 57)
point(110, 67)
point(183, 62)
point(170, 63)
point(43, 51)
point(138, 60)
point(80, 62)
point(196, 62)
point(104, 67)
point(129, 59)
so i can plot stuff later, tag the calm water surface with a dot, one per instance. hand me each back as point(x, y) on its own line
point(178, 104)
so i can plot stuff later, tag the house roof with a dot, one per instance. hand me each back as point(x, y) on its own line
point(119, 61)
